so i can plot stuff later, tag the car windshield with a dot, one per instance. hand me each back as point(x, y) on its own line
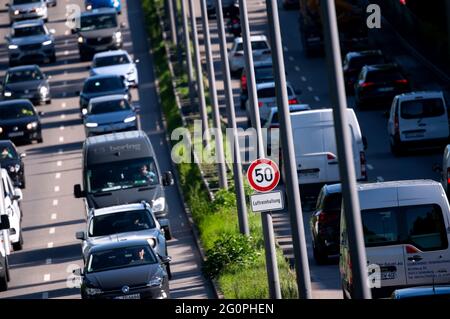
point(25, 1)
point(103, 85)
point(122, 222)
point(23, 76)
point(7, 152)
point(109, 106)
point(417, 109)
point(139, 172)
point(121, 258)
point(15, 111)
point(383, 76)
point(111, 60)
point(360, 61)
point(28, 31)
point(97, 22)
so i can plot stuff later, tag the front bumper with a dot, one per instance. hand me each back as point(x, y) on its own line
point(27, 15)
point(27, 136)
point(43, 54)
point(105, 129)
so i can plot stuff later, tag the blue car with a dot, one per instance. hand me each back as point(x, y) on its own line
point(94, 4)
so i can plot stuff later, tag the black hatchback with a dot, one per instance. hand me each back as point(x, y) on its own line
point(353, 63)
point(19, 121)
point(11, 160)
point(324, 223)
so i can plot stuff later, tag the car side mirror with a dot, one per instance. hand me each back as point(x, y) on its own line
point(166, 259)
point(364, 140)
point(167, 179)
point(22, 155)
point(437, 168)
point(18, 194)
point(78, 272)
point(81, 235)
point(7, 4)
point(4, 219)
point(77, 192)
point(40, 113)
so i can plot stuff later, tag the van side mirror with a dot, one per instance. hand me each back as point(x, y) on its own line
point(4, 219)
point(77, 192)
point(81, 235)
point(167, 179)
point(364, 140)
point(437, 168)
point(73, 31)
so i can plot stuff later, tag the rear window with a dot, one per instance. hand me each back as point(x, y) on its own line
point(104, 85)
point(420, 225)
point(256, 45)
point(422, 108)
point(264, 73)
point(359, 62)
point(383, 76)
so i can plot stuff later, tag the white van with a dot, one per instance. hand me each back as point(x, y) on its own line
point(406, 234)
point(12, 198)
point(315, 147)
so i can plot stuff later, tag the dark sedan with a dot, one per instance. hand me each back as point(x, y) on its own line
point(11, 160)
point(379, 83)
point(353, 63)
point(26, 82)
point(101, 85)
point(324, 223)
point(19, 121)
point(124, 270)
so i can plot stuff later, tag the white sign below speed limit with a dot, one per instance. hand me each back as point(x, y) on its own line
point(263, 175)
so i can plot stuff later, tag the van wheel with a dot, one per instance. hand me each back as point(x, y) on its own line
point(396, 149)
point(19, 245)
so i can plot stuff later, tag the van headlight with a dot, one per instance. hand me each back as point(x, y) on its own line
point(16, 12)
point(32, 126)
point(93, 291)
point(130, 119)
point(89, 7)
point(80, 39)
point(1, 129)
point(159, 204)
point(48, 42)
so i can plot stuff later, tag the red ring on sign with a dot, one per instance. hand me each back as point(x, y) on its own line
point(252, 167)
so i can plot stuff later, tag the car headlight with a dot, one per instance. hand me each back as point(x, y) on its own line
point(159, 204)
point(93, 291)
point(89, 7)
point(130, 119)
point(91, 124)
point(48, 42)
point(16, 12)
point(80, 39)
point(14, 168)
point(7, 94)
point(118, 36)
point(32, 125)
point(13, 46)
point(43, 90)
point(1, 130)
point(155, 282)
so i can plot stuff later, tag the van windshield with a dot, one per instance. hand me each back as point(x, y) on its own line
point(98, 21)
point(118, 175)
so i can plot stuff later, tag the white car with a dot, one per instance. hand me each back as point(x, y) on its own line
point(418, 119)
point(117, 62)
point(406, 236)
point(260, 47)
point(268, 99)
point(12, 198)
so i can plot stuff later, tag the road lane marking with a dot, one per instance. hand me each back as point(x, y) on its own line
point(47, 277)
point(58, 175)
point(66, 52)
point(61, 127)
point(51, 230)
point(56, 189)
point(369, 166)
point(54, 216)
point(61, 139)
point(45, 295)
point(63, 116)
point(303, 79)
point(50, 245)
point(380, 179)
point(297, 68)
point(63, 105)
point(55, 202)
point(48, 261)
point(59, 163)
point(309, 88)
point(316, 98)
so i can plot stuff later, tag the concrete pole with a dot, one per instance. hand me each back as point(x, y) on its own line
point(173, 29)
point(187, 47)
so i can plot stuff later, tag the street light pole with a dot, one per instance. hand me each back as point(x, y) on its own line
point(173, 29)
point(345, 153)
point(221, 165)
point(237, 164)
point(187, 47)
point(292, 185)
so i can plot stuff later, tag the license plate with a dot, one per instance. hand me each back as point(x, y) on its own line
point(385, 89)
point(32, 52)
point(14, 134)
point(389, 275)
point(412, 135)
point(133, 296)
point(309, 175)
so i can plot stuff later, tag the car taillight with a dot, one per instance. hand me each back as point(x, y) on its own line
point(410, 249)
point(260, 104)
point(402, 81)
point(239, 54)
point(367, 84)
point(293, 101)
point(362, 159)
point(448, 176)
point(244, 82)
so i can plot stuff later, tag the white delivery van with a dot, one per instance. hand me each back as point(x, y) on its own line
point(406, 234)
point(316, 151)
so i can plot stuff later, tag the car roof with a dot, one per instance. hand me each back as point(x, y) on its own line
point(23, 68)
point(397, 184)
point(420, 95)
point(106, 98)
point(382, 67)
point(130, 136)
point(421, 291)
point(98, 11)
point(354, 54)
point(110, 53)
point(332, 188)
point(260, 37)
point(119, 209)
point(118, 244)
point(28, 23)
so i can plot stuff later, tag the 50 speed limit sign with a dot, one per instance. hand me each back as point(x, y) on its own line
point(263, 175)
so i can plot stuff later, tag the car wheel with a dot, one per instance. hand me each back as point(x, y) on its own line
point(53, 58)
point(320, 257)
point(167, 233)
point(19, 245)
point(396, 149)
point(40, 140)
point(4, 278)
point(48, 102)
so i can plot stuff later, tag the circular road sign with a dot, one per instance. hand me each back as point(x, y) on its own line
point(263, 175)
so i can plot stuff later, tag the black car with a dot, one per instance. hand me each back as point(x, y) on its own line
point(19, 121)
point(324, 223)
point(379, 83)
point(26, 82)
point(229, 8)
point(124, 270)
point(263, 73)
point(11, 160)
point(101, 85)
point(353, 63)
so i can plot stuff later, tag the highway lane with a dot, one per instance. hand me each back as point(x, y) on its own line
point(51, 214)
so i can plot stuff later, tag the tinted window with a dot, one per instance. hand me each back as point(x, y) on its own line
point(256, 45)
point(15, 111)
point(7, 152)
point(121, 258)
point(28, 31)
point(121, 175)
point(265, 93)
point(332, 202)
point(111, 60)
point(109, 106)
point(116, 223)
point(380, 227)
point(263, 73)
point(97, 22)
point(103, 85)
point(383, 76)
point(360, 61)
point(23, 76)
point(422, 108)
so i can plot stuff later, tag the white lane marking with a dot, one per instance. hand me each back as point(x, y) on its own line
point(285, 49)
point(59, 163)
point(58, 175)
point(316, 98)
point(63, 116)
point(54, 216)
point(63, 105)
point(61, 139)
point(309, 88)
point(303, 79)
point(61, 127)
point(51, 230)
point(297, 68)
point(380, 179)
point(291, 58)
point(67, 32)
point(55, 202)
point(47, 277)
point(66, 52)
point(56, 189)
point(369, 166)
point(66, 42)
point(50, 245)
point(45, 295)
point(48, 261)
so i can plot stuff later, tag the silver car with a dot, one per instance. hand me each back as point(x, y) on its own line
point(116, 62)
point(27, 9)
point(30, 40)
point(121, 223)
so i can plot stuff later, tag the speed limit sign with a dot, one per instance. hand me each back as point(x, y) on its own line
point(263, 175)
